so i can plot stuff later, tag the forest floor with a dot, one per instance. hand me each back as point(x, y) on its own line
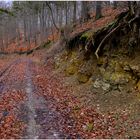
point(38, 101)
point(35, 102)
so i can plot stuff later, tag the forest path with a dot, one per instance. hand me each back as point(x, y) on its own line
point(36, 107)
point(31, 110)
point(36, 104)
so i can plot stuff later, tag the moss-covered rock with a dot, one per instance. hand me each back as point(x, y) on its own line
point(100, 83)
point(71, 69)
point(72, 63)
point(120, 78)
point(82, 78)
point(107, 75)
point(112, 63)
point(85, 71)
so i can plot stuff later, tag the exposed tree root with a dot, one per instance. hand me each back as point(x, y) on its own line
point(113, 33)
point(106, 37)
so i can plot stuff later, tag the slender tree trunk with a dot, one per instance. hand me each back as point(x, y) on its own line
point(114, 4)
point(25, 26)
point(29, 33)
point(98, 9)
point(18, 33)
point(85, 11)
point(74, 11)
point(60, 18)
point(66, 13)
point(47, 3)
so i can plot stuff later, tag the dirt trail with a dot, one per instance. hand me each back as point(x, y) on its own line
point(32, 131)
point(39, 106)
point(35, 105)
point(33, 110)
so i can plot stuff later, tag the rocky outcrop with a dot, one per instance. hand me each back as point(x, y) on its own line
point(102, 84)
point(106, 72)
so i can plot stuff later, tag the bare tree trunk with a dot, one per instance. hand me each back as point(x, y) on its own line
point(29, 33)
point(18, 34)
point(6, 36)
point(60, 17)
point(98, 10)
point(66, 13)
point(25, 26)
point(114, 4)
point(47, 3)
point(85, 11)
point(74, 11)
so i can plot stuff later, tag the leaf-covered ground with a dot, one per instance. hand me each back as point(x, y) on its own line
point(36, 103)
point(11, 96)
point(79, 120)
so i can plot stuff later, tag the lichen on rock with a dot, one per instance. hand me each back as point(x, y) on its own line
point(101, 84)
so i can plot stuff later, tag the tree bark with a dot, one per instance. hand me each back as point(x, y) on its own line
point(74, 11)
point(85, 11)
point(47, 3)
point(66, 13)
point(98, 10)
point(114, 4)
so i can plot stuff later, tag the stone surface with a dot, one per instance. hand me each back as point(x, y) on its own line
point(101, 84)
point(71, 69)
point(82, 78)
point(120, 78)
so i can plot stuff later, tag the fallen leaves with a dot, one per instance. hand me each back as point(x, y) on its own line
point(79, 121)
point(10, 126)
point(109, 15)
point(10, 99)
point(70, 117)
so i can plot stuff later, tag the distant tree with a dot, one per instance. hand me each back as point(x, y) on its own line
point(98, 9)
point(114, 4)
point(74, 11)
point(85, 11)
point(49, 6)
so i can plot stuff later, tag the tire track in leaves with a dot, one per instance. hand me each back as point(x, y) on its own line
point(36, 106)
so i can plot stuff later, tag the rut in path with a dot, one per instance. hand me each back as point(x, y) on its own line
point(40, 117)
point(34, 105)
point(32, 127)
